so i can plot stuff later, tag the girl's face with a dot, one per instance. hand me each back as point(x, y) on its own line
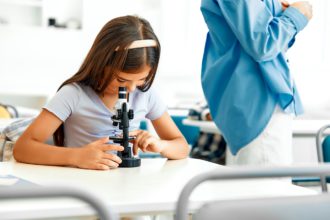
point(128, 80)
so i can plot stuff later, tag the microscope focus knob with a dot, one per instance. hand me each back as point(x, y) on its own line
point(130, 114)
point(119, 113)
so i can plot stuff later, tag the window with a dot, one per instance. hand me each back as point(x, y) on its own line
point(310, 59)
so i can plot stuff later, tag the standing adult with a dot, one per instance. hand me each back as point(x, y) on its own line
point(246, 77)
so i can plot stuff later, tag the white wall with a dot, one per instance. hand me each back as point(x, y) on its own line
point(35, 60)
point(309, 60)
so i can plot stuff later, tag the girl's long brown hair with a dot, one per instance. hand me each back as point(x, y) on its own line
point(108, 56)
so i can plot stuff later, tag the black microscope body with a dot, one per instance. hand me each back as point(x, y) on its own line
point(121, 119)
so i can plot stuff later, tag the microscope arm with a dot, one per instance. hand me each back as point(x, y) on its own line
point(124, 114)
point(125, 125)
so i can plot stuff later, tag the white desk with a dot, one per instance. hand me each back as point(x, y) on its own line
point(301, 127)
point(303, 133)
point(308, 128)
point(206, 126)
point(152, 188)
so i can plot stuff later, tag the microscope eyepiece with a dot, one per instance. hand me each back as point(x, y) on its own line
point(122, 93)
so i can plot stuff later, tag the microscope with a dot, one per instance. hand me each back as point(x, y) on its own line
point(121, 119)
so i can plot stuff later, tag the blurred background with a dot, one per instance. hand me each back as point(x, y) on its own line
point(36, 56)
point(43, 42)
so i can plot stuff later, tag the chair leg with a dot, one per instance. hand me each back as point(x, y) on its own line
point(324, 184)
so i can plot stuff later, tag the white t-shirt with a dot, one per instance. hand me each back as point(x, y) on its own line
point(87, 119)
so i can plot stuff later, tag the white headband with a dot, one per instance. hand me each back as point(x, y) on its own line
point(141, 43)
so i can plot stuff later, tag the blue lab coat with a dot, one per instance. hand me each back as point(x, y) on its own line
point(245, 73)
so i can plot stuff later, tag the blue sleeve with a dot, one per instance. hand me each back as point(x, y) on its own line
point(262, 35)
point(64, 102)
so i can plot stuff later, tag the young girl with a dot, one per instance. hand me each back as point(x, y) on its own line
point(125, 54)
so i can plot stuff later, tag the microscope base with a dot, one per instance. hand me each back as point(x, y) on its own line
point(130, 162)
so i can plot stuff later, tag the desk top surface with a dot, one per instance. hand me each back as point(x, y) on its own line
point(300, 126)
point(152, 188)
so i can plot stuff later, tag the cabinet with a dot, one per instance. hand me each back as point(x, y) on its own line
point(41, 13)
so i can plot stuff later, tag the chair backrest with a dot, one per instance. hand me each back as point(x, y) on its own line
point(257, 207)
point(323, 152)
point(103, 212)
point(284, 208)
point(144, 125)
point(326, 149)
point(191, 133)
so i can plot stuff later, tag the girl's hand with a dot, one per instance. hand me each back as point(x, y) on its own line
point(95, 156)
point(146, 142)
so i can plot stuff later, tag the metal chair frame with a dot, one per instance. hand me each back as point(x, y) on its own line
point(181, 212)
point(104, 213)
point(320, 156)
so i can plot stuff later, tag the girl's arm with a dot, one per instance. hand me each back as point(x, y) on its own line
point(171, 144)
point(31, 147)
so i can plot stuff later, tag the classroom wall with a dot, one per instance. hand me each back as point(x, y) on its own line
point(36, 60)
